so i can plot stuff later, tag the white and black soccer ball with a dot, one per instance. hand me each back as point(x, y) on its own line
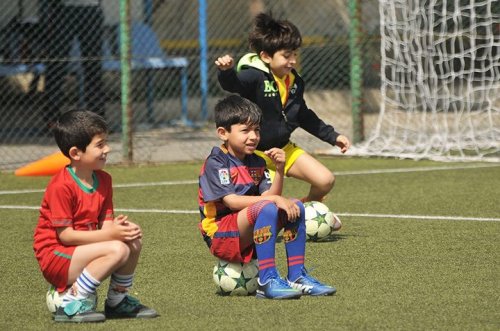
point(320, 221)
point(234, 278)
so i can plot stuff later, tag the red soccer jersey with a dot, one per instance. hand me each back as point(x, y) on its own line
point(67, 202)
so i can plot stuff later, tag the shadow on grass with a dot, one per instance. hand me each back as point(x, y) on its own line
point(331, 238)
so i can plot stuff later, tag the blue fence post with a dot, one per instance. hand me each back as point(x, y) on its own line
point(202, 25)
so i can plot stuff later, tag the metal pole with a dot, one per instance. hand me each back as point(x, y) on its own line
point(125, 81)
point(202, 26)
point(356, 70)
point(150, 99)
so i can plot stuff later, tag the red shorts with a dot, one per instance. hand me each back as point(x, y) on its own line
point(55, 266)
point(226, 241)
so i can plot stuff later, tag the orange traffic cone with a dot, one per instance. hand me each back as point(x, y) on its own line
point(46, 166)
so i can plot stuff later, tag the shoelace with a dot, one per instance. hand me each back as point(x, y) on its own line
point(281, 281)
point(131, 302)
point(311, 279)
point(308, 277)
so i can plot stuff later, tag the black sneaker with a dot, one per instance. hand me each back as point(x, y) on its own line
point(79, 311)
point(129, 307)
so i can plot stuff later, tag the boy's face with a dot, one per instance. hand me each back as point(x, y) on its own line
point(242, 140)
point(96, 152)
point(282, 62)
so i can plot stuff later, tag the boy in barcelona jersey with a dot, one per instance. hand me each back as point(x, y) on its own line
point(242, 211)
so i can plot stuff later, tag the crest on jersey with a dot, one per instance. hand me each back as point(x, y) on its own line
point(255, 174)
point(224, 176)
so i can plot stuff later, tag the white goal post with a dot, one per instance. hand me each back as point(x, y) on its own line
point(440, 81)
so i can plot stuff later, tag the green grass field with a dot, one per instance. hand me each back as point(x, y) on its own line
point(419, 250)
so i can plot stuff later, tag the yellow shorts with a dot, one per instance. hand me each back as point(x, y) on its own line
point(292, 152)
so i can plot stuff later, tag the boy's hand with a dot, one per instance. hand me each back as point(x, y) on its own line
point(120, 219)
point(126, 230)
point(225, 62)
point(277, 155)
point(343, 143)
point(289, 206)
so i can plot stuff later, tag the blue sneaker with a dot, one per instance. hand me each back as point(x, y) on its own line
point(277, 288)
point(311, 286)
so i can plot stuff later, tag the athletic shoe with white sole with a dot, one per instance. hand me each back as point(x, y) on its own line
point(311, 286)
point(277, 288)
point(79, 311)
point(129, 307)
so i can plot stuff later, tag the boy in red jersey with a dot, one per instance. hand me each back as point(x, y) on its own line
point(268, 78)
point(242, 211)
point(78, 242)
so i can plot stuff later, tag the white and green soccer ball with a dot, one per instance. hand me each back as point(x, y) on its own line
point(234, 278)
point(320, 221)
point(54, 299)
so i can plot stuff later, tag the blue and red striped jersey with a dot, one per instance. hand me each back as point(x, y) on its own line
point(223, 174)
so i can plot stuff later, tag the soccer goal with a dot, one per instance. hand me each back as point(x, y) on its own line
point(440, 81)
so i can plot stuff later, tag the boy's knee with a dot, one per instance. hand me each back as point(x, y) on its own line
point(257, 208)
point(135, 246)
point(327, 182)
point(119, 249)
point(330, 180)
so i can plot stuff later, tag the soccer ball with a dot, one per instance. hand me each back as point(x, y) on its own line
point(54, 299)
point(320, 221)
point(234, 278)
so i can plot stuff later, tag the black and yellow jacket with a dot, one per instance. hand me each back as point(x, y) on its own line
point(253, 80)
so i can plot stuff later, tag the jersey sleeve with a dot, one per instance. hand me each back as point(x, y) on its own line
point(311, 123)
point(59, 202)
point(215, 181)
point(243, 82)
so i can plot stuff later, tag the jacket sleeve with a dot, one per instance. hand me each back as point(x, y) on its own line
point(311, 123)
point(243, 83)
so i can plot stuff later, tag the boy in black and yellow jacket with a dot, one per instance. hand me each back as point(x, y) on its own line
point(268, 78)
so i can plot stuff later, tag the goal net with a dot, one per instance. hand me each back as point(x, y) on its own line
point(440, 81)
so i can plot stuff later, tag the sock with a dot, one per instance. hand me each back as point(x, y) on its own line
point(84, 286)
point(264, 237)
point(118, 288)
point(294, 235)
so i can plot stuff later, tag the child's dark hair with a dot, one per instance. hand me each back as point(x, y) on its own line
point(78, 128)
point(236, 110)
point(271, 35)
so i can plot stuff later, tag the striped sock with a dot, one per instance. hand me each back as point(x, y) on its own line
point(84, 286)
point(264, 236)
point(294, 236)
point(118, 288)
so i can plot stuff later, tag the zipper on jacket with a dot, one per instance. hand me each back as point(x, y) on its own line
point(284, 116)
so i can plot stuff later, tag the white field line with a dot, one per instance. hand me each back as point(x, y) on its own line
point(165, 183)
point(411, 217)
point(339, 173)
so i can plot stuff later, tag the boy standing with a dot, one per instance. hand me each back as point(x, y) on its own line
point(78, 242)
point(242, 211)
point(268, 78)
